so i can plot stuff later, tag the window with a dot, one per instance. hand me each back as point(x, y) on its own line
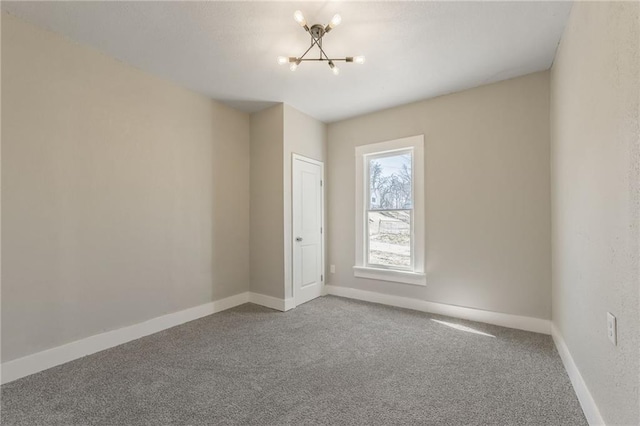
point(388, 221)
point(390, 211)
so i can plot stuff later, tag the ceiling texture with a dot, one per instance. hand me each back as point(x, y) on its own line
point(228, 50)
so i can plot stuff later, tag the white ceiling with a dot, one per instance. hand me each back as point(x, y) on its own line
point(228, 50)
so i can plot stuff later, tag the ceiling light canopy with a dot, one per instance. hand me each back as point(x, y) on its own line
point(317, 32)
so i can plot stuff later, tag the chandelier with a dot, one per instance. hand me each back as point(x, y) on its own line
point(317, 32)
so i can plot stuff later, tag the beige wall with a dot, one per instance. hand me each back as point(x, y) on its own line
point(595, 86)
point(124, 197)
point(487, 195)
point(276, 134)
point(267, 198)
point(303, 135)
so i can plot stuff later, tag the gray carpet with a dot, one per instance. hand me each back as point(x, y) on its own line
point(330, 361)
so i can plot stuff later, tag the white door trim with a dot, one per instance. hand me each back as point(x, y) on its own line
point(295, 157)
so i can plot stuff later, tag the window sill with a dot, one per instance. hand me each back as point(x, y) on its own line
point(413, 278)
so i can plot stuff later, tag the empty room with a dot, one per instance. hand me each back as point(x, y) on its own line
point(332, 213)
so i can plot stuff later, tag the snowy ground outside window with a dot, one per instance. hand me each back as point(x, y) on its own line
point(390, 238)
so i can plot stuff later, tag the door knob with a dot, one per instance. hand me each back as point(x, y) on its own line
point(298, 238)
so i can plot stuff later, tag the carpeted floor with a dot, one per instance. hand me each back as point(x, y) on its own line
point(330, 361)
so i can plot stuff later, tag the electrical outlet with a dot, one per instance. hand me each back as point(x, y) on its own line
point(612, 332)
point(332, 268)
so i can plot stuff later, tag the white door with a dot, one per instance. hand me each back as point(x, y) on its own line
point(308, 256)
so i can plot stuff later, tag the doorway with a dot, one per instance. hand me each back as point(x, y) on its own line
point(308, 228)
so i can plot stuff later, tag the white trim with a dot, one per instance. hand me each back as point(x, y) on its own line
point(393, 275)
point(536, 325)
point(295, 156)
point(289, 304)
point(34, 363)
point(416, 144)
point(272, 302)
point(30, 364)
point(229, 302)
point(587, 402)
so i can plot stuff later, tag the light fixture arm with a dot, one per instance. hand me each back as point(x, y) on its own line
point(317, 32)
point(347, 59)
point(307, 51)
point(314, 42)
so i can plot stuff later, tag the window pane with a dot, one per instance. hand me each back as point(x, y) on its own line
point(390, 238)
point(390, 182)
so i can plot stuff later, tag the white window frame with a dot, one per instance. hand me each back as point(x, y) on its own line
point(361, 269)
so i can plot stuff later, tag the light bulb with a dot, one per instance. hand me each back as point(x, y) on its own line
point(282, 60)
point(293, 66)
point(299, 17)
point(333, 67)
point(359, 59)
point(335, 21)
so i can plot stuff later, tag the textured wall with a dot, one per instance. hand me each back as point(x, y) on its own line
point(596, 200)
point(124, 197)
point(486, 195)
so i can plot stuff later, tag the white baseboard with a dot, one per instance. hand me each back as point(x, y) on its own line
point(289, 304)
point(536, 325)
point(230, 302)
point(30, 364)
point(587, 402)
point(272, 302)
